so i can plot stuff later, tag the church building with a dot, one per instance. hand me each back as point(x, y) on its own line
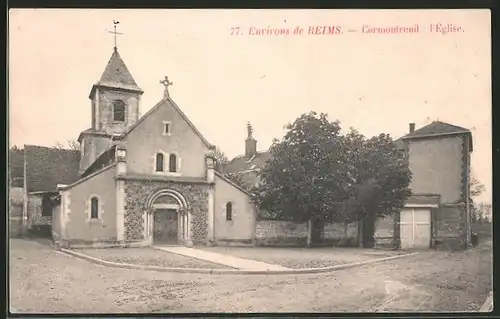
point(136, 181)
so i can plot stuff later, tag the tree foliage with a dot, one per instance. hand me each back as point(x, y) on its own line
point(71, 144)
point(476, 188)
point(239, 180)
point(316, 173)
point(220, 159)
point(303, 178)
point(380, 176)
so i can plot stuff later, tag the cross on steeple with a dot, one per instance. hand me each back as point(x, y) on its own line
point(115, 22)
point(166, 83)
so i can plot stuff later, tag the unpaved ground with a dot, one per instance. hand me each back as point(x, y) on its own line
point(305, 257)
point(44, 281)
point(149, 257)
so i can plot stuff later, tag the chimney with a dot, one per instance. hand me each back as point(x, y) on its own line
point(250, 143)
point(412, 127)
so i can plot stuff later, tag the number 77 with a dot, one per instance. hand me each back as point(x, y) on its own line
point(235, 31)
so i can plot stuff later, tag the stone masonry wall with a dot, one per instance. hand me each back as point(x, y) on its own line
point(35, 217)
point(106, 99)
point(137, 192)
point(450, 227)
point(285, 233)
point(384, 232)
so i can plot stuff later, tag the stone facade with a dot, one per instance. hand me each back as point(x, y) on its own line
point(104, 120)
point(35, 217)
point(450, 227)
point(137, 193)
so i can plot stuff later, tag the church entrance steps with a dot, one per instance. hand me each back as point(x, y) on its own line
point(227, 260)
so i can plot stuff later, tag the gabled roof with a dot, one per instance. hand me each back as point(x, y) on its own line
point(46, 167)
point(176, 107)
point(438, 128)
point(242, 163)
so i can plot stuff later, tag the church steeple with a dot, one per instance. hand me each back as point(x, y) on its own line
point(115, 108)
point(115, 97)
point(117, 75)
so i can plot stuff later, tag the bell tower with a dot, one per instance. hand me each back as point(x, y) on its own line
point(115, 98)
point(115, 101)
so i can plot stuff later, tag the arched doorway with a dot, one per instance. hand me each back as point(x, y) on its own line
point(167, 219)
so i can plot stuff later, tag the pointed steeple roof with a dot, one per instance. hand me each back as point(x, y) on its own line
point(117, 75)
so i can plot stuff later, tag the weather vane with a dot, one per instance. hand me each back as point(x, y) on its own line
point(115, 22)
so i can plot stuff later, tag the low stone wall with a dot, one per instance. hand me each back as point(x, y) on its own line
point(35, 217)
point(286, 233)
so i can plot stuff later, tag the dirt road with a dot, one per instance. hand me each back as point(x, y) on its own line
point(45, 281)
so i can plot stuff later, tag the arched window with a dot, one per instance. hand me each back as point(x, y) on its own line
point(229, 211)
point(159, 162)
point(172, 163)
point(118, 111)
point(94, 207)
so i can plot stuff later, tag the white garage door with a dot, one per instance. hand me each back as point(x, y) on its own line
point(415, 228)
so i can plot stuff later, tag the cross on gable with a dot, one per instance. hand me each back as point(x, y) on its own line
point(166, 83)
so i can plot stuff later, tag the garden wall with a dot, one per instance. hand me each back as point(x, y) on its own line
point(286, 233)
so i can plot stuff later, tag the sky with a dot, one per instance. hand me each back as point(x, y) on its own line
point(370, 81)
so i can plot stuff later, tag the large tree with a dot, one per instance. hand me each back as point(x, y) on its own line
point(304, 179)
point(381, 176)
point(381, 180)
point(317, 174)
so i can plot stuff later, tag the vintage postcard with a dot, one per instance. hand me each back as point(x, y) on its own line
point(249, 161)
